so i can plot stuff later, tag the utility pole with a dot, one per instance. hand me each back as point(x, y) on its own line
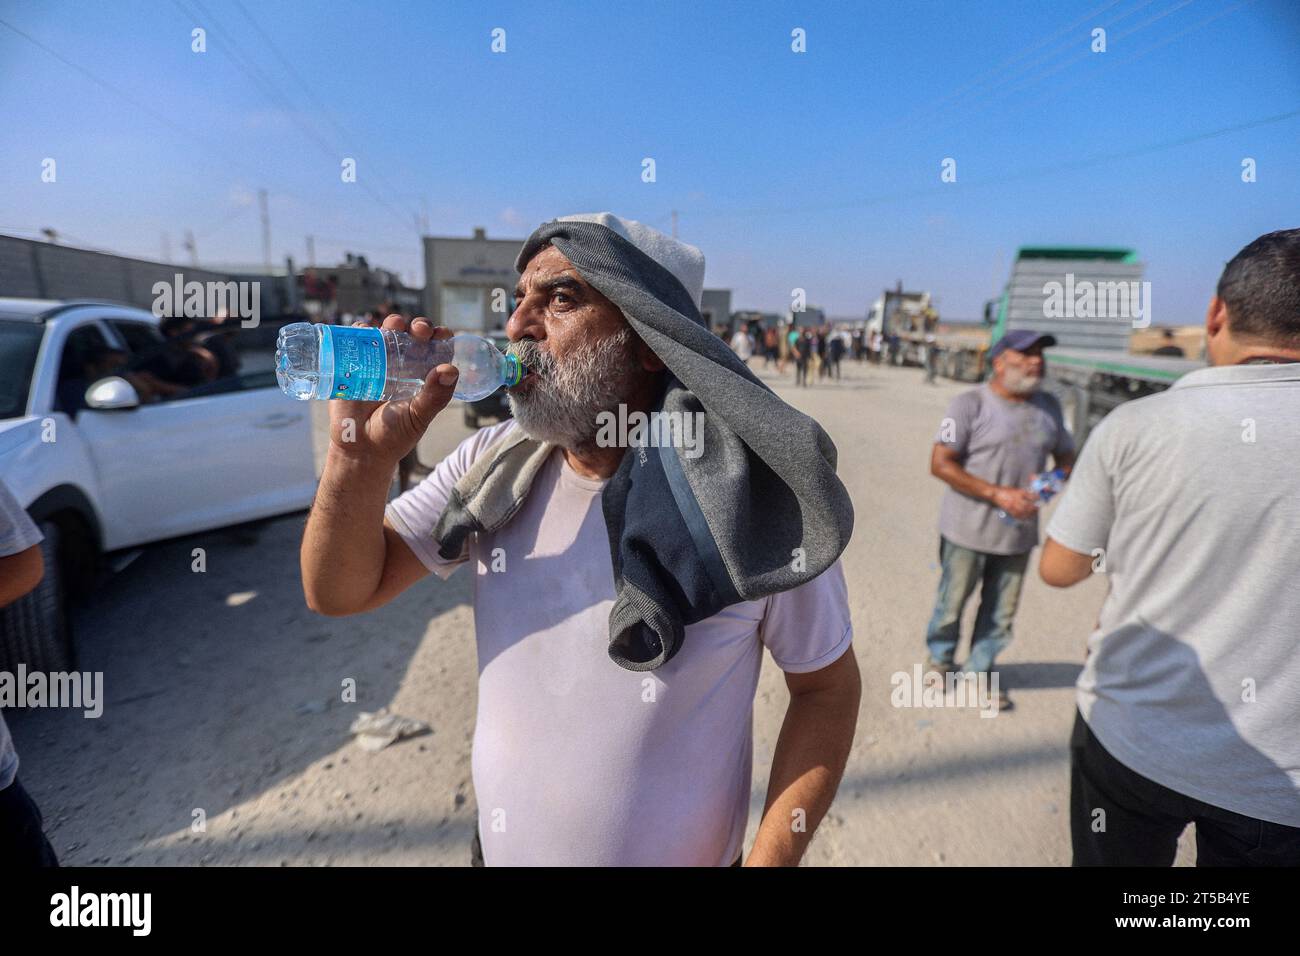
point(166, 247)
point(311, 251)
point(189, 245)
point(674, 223)
point(266, 230)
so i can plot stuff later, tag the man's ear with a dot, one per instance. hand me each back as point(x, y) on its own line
point(1216, 317)
point(647, 359)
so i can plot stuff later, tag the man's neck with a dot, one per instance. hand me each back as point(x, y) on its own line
point(594, 462)
point(1259, 355)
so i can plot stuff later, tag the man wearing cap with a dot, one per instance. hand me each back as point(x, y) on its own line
point(624, 588)
point(992, 441)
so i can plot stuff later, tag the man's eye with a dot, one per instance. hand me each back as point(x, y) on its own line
point(560, 296)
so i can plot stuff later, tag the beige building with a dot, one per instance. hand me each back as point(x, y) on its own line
point(469, 284)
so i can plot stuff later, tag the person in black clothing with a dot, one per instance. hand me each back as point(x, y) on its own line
point(803, 350)
point(836, 349)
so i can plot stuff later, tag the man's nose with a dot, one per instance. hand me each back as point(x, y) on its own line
point(525, 322)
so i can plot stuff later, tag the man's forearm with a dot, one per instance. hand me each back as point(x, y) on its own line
point(806, 769)
point(963, 481)
point(343, 545)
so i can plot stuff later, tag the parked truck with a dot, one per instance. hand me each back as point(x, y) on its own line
point(1090, 300)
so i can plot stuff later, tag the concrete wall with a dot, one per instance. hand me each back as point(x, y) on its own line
point(43, 270)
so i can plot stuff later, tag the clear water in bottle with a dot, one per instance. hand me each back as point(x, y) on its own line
point(1044, 487)
point(369, 364)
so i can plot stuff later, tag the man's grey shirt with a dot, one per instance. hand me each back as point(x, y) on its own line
point(17, 534)
point(1004, 442)
point(1193, 673)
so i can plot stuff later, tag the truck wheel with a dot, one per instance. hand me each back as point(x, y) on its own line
point(34, 630)
point(471, 420)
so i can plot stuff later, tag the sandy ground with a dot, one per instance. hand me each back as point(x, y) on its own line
point(223, 695)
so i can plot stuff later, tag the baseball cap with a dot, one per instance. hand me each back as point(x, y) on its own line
point(1020, 340)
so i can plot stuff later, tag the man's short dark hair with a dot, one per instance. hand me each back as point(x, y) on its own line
point(1261, 288)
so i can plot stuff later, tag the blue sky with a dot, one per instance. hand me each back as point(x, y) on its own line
point(818, 170)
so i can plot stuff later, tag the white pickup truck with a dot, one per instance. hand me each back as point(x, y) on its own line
point(99, 470)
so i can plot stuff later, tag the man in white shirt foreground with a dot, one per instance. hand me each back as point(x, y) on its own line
point(578, 760)
point(1189, 501)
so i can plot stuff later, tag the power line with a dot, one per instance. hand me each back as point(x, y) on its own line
point(922, 192)
point(980, 80)
point(248, 67)
point(213, 147)
point(1125, 61)
point(289, 68)
point(993, 97)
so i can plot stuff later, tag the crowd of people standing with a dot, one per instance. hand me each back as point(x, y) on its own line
point(814, 351)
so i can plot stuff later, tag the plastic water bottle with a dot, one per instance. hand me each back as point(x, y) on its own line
point(1044, 487)
point(368, 364)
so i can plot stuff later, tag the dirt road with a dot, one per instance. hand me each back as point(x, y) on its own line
point(223, 695)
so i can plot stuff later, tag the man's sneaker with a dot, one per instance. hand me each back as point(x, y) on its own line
point(1004, 701)
point(939, 667)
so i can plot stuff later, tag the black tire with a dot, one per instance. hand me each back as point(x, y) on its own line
point(471, 420)
point(34, 630)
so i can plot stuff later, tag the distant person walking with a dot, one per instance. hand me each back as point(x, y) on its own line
point(742, 344)
point(1189, 501)
point(803, 350)
point(836, 350)
point(822, 351)
point(771, 346)
point(991, 443)
point(931, 357)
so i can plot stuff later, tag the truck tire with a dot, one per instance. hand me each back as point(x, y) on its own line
point(471, 420)
point(34, 630)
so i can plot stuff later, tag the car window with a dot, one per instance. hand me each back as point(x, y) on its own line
point(87, 357)
point(19, 343)
point(196, 358)
point(140, 337)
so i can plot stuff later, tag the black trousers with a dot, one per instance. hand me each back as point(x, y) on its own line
point(22, 841)
point(1140, 821)
point(476, 852)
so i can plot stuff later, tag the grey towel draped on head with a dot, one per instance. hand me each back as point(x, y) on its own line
point(761, 510)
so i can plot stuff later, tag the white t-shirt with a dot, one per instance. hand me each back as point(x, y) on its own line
point(17, 534)
point(577, 761)
point(1193, 676)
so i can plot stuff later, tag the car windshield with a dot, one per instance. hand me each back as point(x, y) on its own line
point(19, 342)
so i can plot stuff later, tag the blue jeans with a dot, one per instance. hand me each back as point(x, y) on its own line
point(1000, 577)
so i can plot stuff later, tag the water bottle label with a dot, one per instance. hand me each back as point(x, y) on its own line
point(359, 359)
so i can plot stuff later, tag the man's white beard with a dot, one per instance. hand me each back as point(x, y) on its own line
point(562, 404)
point(1018, 383)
